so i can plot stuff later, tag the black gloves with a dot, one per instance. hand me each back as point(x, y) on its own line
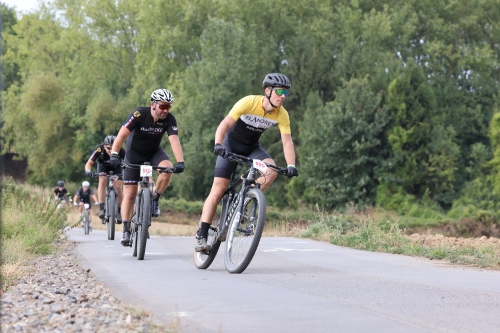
point(89, 173)
point(179, 167)
point(114, 161)
point(291, 171)
point(219, 150)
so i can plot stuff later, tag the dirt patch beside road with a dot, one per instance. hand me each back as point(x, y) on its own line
point(437, 240)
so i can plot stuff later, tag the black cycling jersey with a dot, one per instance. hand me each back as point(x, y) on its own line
point(84, 196)
point(146, 135)
point(100, 155)
point(60, 193)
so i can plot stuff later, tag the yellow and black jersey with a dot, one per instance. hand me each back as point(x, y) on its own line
point(251, 121)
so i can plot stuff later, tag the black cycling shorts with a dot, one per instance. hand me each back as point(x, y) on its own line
point(108, 168)
point(224, 167)
point(132, 176)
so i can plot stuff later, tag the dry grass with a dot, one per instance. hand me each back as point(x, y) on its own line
point(157, 228)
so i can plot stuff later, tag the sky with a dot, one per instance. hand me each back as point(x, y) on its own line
point(22, 5)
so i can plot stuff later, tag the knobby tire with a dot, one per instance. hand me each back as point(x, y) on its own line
point(242, 242)
point(144, 222)
point(86, 221)
point(112, 215)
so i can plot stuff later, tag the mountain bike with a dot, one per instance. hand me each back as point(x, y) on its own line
point(141, 218)
point(240, 218)
point(111, 202)
point(85, 218)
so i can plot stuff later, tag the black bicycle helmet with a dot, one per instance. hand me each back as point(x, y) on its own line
point(109, 140)
point(276, 80)
point(60, 183)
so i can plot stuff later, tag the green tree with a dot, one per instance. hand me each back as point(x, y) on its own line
point(423, 155)
point(342, 146)
point(207, 91)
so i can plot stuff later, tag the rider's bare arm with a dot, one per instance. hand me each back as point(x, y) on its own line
point(223, 127)
point(120, 139)
point(288, 148)
point(175, 143)
point(89, 164)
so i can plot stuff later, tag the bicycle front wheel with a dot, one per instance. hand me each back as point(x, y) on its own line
point(144, 222)
point(112, 215)
point(203, 260)
point(133, 238)
point(86, 221)
point(245, 231)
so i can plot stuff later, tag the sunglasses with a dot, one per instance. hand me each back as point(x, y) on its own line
point(108, 147)
point(164, 107)
point(281, 92)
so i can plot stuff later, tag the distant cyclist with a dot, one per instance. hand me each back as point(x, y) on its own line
point(61, 193)
point(101, 154)
point(82, 197)
point(144, 130)
point(239, 133)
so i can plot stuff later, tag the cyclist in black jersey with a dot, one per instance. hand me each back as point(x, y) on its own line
point(239, 133)
point(143, 130)
point(61, 193)
point(82, 197)
point(101, 155)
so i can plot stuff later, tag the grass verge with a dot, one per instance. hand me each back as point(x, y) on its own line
point(30, 225)
point(366, 231)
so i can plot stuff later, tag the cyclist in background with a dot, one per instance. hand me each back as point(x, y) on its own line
point(82, 197)
point(144, 130)
point(61, 193)
point(239, 133)
point(101, 154)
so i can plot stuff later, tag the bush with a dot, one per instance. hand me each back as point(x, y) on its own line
point(30, 223)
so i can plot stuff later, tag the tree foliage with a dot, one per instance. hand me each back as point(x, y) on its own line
point(392, 102)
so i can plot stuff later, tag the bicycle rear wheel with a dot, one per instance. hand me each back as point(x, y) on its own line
point(245, 231)
point(112, 215)
point(86, 221)
point(203, 260)
point(144, 222)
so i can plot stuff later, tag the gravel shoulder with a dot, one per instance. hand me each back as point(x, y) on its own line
point(55, 294)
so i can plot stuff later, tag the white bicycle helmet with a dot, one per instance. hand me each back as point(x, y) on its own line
point(85, 184)
point(162, 95)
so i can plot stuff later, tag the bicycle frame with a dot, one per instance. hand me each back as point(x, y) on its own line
point(247, 180)
point(139, 228)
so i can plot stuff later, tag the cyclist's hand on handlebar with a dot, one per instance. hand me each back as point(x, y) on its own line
point(179, 167)
point(89, 173)
point(219, 150)
point(114, 160)
point(291, 171)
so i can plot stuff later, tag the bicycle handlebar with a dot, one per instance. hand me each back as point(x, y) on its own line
point(97, 175)
point(248, 161)
point(158, 168)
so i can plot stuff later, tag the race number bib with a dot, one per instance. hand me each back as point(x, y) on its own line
point(146, 170)
point(259, 165)
point(87, 206)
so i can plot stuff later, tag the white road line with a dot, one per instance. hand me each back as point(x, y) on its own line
point(288, 250)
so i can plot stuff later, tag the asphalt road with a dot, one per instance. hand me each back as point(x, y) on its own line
point(295, 285)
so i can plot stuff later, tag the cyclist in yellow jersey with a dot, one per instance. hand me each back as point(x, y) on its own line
point(239, 133)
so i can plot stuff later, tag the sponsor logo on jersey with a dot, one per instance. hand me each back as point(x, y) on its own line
point(257, 122)
point(159, 123)
point(137, 114)
point(99, 149)
point(174, 128)
point(152, 129)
